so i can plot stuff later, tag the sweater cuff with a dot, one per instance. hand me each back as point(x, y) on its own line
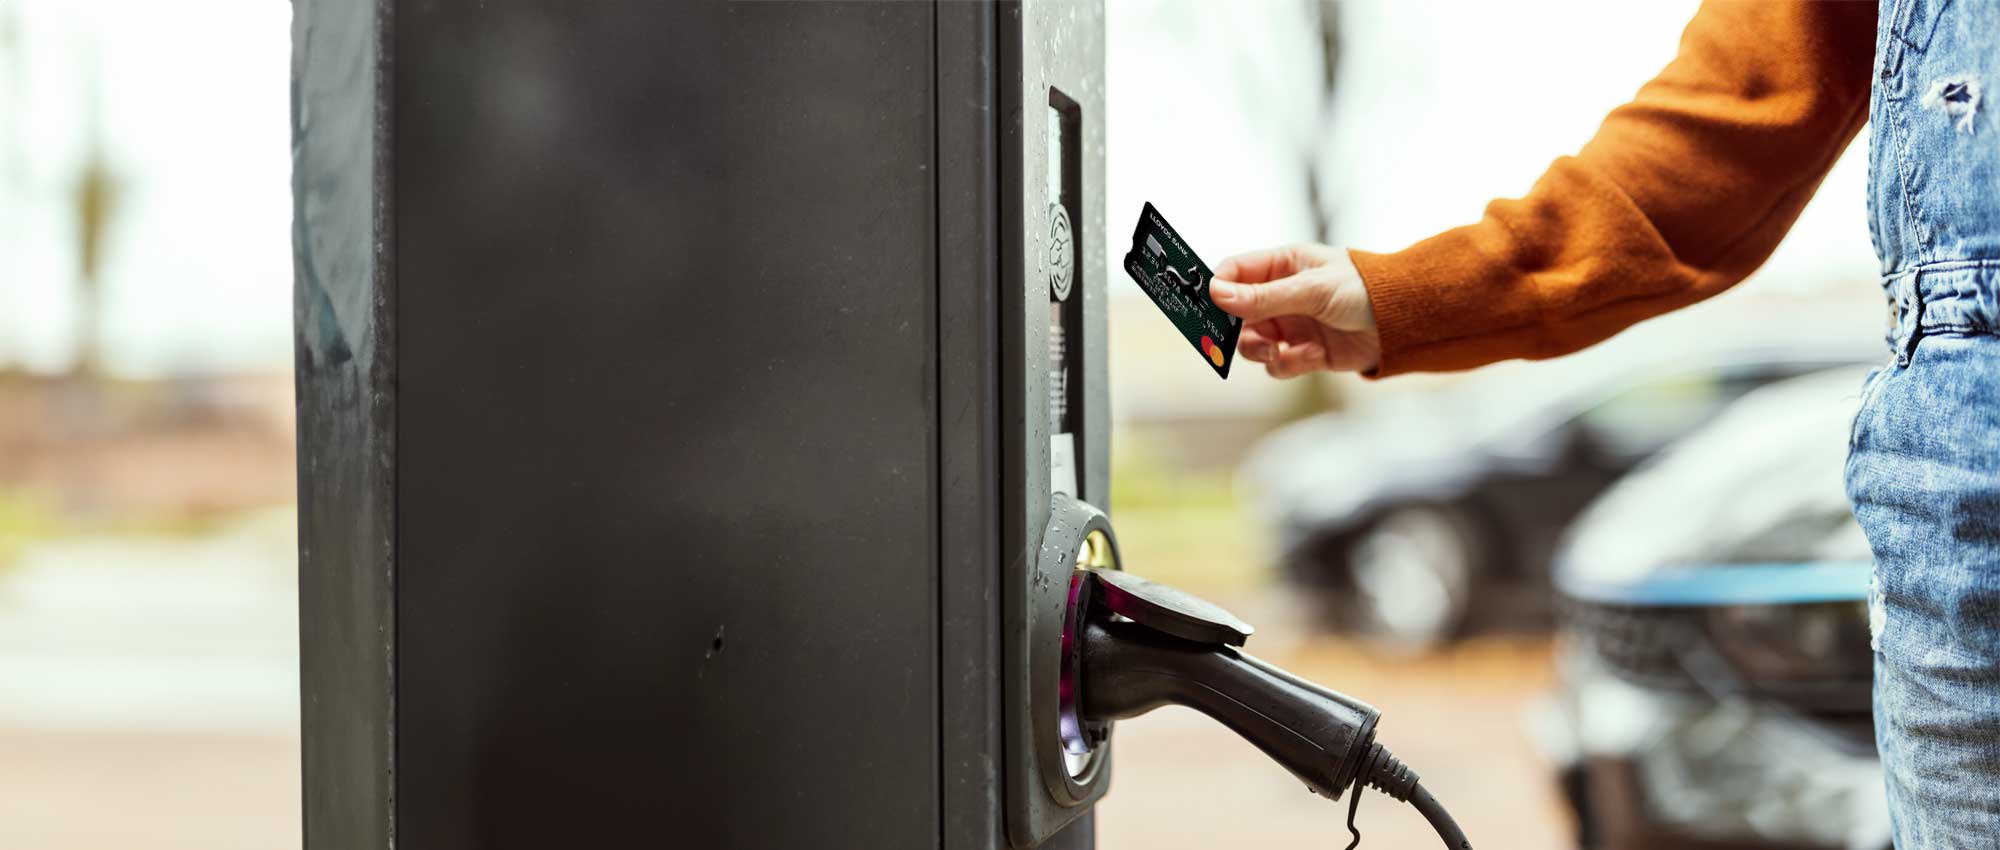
point(1418, 296)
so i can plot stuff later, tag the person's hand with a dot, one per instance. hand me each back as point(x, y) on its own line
point(1303, 309)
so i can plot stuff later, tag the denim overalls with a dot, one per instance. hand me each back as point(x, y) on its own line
point(1923, 466)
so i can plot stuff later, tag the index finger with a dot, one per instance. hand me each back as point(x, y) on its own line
point(1263, 266)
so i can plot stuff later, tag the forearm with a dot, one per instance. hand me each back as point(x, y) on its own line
point(1682, 193)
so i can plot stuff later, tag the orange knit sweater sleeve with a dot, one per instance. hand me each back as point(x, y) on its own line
point(1683, 192)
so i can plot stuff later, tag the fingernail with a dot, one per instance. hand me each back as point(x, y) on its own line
point(1221, 290)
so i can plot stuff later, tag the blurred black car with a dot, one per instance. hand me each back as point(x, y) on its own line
point(1396, 518)
point(1714, 656)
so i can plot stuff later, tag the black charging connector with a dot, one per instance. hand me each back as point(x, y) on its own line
point(1152, 645)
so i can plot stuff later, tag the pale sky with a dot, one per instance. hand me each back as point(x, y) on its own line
point(193, 104)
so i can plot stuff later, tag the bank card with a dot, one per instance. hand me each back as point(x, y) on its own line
point(1163, 265)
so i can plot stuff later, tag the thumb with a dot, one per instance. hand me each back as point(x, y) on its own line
point(1290, 296)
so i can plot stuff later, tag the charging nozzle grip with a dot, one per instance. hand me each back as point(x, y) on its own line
point(1320, 735)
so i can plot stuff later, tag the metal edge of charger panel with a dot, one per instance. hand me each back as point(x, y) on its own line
point(1057, 438)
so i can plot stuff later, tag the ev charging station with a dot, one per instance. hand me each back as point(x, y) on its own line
point(682, 390)
point(704, 440)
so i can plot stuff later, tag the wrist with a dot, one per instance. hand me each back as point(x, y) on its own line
point(1358, 309)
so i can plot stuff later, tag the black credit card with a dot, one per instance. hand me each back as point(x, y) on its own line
point(1177, 280)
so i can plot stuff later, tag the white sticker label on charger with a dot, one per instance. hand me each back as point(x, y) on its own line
point(1062, 464)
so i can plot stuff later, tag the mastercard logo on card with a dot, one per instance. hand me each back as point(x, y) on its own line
point(1213, 351)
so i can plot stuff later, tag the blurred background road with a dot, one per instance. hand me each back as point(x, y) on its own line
point(148, 632)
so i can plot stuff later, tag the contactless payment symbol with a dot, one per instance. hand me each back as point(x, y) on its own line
point(1062, 252)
